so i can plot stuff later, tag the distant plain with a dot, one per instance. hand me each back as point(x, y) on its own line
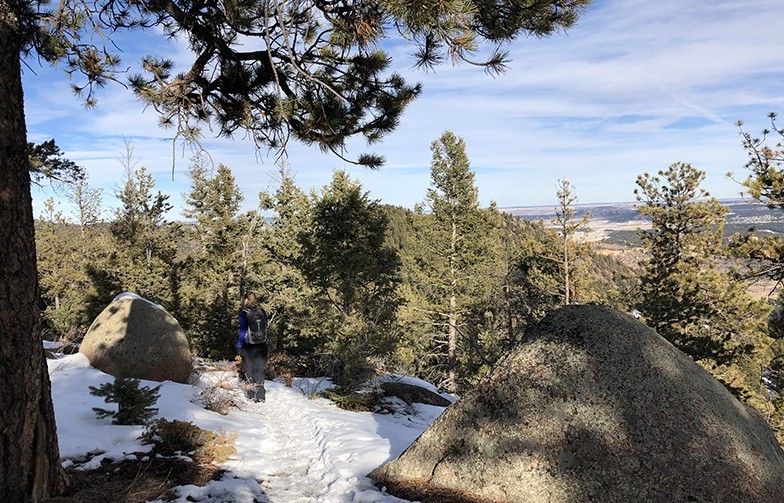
point(613, 229)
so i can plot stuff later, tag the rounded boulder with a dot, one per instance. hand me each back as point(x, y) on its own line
point(136, 338)
point(595, 406)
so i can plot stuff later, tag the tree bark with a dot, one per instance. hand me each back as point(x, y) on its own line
point(29, 456)
point(452, 351)
point(567, 284)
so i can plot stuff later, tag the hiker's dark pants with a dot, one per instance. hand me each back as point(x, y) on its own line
point(254, 363)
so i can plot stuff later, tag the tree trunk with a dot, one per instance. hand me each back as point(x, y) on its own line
point(567, 285)
point(511, 337)
point(452, 352)
point(29, 457)
point(452, 384)
point(280, 337)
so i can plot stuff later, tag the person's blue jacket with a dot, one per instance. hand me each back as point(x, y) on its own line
point(243, 328)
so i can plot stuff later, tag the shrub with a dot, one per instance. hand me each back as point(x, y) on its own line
point(174, 437)
point(237, 368)
point(349, 399)
point(281, 365)
point(224, 394)
point(134, 403)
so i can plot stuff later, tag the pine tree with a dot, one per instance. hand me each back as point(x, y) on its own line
point(568, 225)
point(704, 311)
point(519, 283)
point(290, 297)
point(765, 183)
point(145, 256)
point(134, 402)
point(212, 272)
point(142, 213)
point(54, 239)
point(345, 257)
point(66, 247)
point(525, 284)
point(214, 203)
point(766, 155)
point(94, 248)
point(458, 246)
point(87, 204)
point(47, 163)
point(533, 276)
point(414, 319)
point(66, 251)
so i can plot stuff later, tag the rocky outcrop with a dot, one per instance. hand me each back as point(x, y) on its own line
point(593, 407)
point(134, 337)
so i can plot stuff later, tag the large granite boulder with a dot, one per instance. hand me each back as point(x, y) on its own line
point(594, 407)
point(134, 337)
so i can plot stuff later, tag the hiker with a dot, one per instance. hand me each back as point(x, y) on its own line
point(252, 345)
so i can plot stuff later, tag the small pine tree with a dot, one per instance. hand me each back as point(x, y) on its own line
point(567, 224)
point(134, 403)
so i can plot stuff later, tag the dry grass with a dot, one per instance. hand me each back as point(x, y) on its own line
point(173, 438)
point(135, 481)
point(154, 475)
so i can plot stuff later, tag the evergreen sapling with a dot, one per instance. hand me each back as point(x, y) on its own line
point(134, 403)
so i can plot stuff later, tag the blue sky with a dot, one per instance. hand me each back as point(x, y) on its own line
point(635, 86)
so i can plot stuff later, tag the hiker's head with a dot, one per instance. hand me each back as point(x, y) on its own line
point(250, 300)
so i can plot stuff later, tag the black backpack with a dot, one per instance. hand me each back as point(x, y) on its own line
point(257, 325)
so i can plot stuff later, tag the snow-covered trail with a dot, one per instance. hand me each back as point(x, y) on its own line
point(291, 449)
point(306, 450)
point(302, 448)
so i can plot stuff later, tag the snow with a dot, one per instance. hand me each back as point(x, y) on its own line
point(294, 448)
point(133, 296)
point(53, 345)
